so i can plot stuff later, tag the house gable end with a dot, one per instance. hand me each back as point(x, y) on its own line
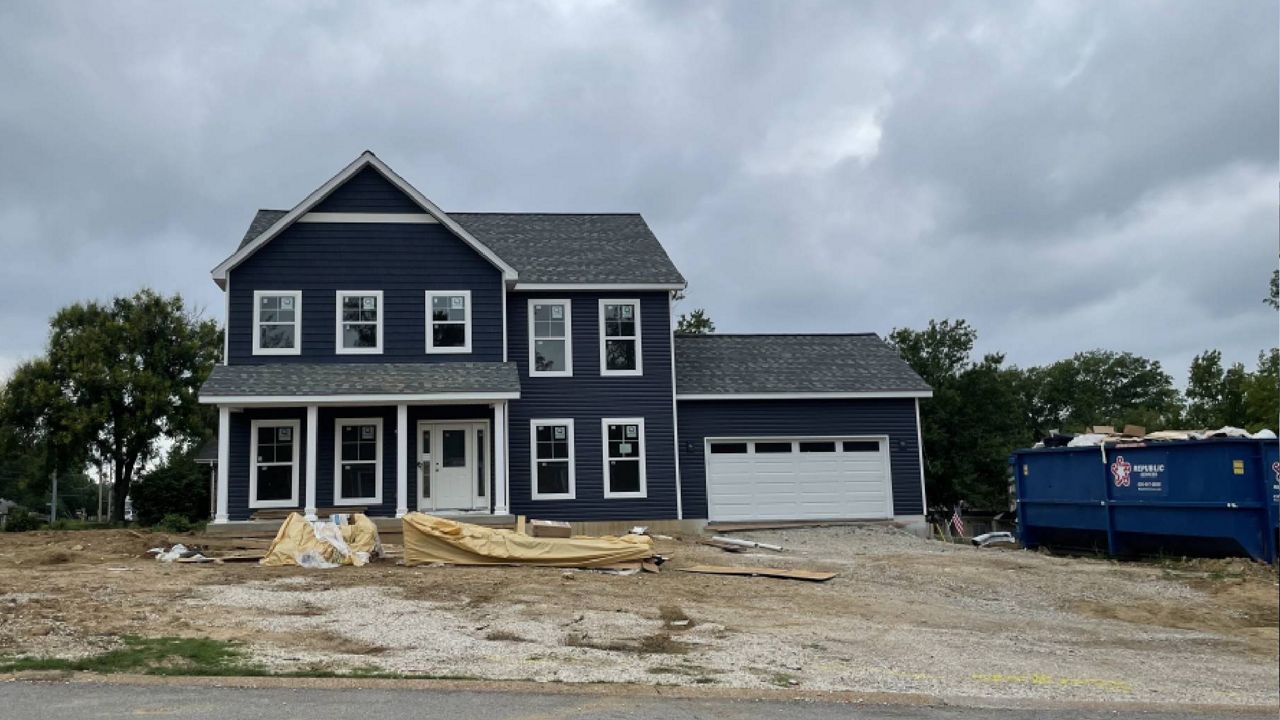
point(368, 191)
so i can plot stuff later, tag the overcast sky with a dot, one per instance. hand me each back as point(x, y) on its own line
point(1064, 175)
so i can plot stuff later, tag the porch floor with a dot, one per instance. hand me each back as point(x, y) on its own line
point(385, 525)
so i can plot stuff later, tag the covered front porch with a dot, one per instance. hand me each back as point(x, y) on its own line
point(421, 443)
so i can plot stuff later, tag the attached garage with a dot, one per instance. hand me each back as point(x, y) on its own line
point(797, 427)
point(798, 478)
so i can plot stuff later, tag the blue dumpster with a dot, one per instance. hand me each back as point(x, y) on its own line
point(1197, 497)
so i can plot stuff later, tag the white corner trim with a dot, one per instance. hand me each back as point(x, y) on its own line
point(612, 287)
point(297, 322)
point(431, 349)
point(367, 399)
point(382, 218)
point(924, 498)
point(604, 452)
point(338, 497)
point(639, 370)
point(534, 424)
point(568, 338)
point(338, 349)
point(366, 159)
point(254, 503)
point(675, 420)
point(890, 394)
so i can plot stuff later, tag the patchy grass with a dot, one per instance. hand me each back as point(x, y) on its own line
point(505, 636)
point(657, 644)
point(151, 656)
point(672, 614)
point(784, 680)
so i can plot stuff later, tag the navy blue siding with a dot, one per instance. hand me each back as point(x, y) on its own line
point(402, 260)
point(367, 192)
point(587, 397)
point(701, 419)
point(238, 468)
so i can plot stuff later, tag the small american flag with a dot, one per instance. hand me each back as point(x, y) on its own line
point(956, 522)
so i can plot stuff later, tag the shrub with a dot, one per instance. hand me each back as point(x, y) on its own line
point(175, 522)
point(179, 487)
point(20, 520)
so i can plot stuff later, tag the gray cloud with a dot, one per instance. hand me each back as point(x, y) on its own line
point(1065, 176)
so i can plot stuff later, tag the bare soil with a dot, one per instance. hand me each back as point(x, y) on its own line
point(904, 615)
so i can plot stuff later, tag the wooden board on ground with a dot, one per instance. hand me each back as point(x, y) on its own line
point(723, 546)
point(811, 575)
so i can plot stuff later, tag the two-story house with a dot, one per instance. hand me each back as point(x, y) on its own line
point(384, 354)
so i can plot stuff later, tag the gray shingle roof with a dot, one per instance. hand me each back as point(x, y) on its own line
point(306, 379)
point(748, 364)
point(557, 248)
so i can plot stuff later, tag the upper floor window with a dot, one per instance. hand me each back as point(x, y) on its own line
point(359, 322)
point(550, 338)
point(448, 321)
point(620, 337)
point(277, 321)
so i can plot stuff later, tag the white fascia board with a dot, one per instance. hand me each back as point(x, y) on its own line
point(366, 159)
point(612, 287)
point(808, 396)
point(292, 400)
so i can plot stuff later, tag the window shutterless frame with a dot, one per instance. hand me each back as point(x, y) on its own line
point(295, 445)
point(272, 305)
point(339, 461)
point(621, 427)
point(625, 306)
point(534, 459)
point(464, 321)
point(338, 344)
point(543, 330)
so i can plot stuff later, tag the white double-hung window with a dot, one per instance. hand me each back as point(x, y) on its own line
point(359, 318)
point(550, 338)
point(551, 443)
point(448, 321)
point(620, 337)
point(624, 472)
point(277, 322)
point(273, 463)
point(357, 457)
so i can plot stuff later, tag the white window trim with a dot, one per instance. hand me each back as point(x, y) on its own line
point(337, 322)
point(254, 502)
point(431, 348)
point(338, 498)
point(297, 322)
point(604, 451)
point(639, 356)
point(568, 339)
point(533, 460)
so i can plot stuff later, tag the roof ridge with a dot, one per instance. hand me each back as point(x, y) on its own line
point(538, 212)
point(775, 334)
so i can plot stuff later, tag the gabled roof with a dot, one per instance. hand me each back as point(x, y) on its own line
point(366, 159)
point(294, 382)
point(762, 366)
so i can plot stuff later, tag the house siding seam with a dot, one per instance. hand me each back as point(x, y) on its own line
point(367, 192)
point(403, 261)
point(587, 397)
point(701, 419)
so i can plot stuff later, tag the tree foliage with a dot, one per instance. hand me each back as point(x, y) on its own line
point(116, 379)
point(179, 486)
point(695, 323)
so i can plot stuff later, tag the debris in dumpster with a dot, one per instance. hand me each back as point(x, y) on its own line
point(745, 543)
point(811, 575)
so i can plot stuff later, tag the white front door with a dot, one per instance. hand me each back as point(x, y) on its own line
point(452, 467)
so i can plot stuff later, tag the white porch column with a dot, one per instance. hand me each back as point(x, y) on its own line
point(313, 433)
point(501, 505)
point(402, 460)
point(224, 462)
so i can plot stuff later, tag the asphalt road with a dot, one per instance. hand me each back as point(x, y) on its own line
point(82, 701)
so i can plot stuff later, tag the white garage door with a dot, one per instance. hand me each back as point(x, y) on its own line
point(798, 479)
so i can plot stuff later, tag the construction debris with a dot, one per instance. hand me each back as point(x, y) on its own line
point(550, 529)
point(745, 543)
point(429, 539)
point(341, 540)
point(810, 575)
point(993, 538)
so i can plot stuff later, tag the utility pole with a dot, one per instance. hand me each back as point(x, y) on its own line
point(53, 506)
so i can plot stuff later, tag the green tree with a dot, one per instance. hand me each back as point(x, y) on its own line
point(1205, 385)
point(1274, 299)
point(695, 323)
point(179, 486)
point(1262, 392)
point(976, 415)
point(1103, 387)
point(116, 379)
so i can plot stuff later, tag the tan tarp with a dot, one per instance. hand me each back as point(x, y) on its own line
point(429, 539)
point(298, 543)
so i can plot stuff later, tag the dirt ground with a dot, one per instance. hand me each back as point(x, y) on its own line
point(904, 615)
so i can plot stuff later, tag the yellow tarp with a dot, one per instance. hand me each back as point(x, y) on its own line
point(429, 539)
point(298, 543)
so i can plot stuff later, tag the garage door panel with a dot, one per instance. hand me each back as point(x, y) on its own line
point(798, 485)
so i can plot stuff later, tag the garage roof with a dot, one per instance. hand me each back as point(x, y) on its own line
point(792, 366)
